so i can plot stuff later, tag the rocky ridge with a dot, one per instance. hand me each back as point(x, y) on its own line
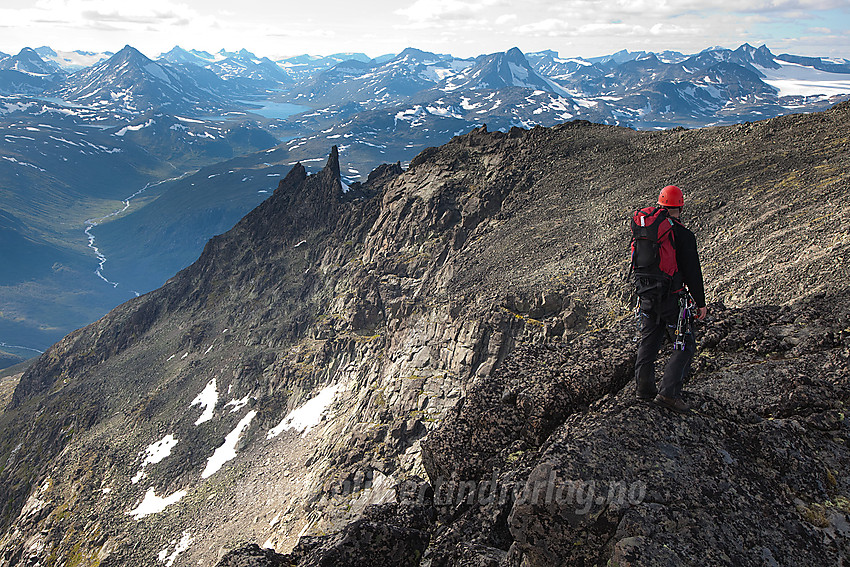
point(463, 322)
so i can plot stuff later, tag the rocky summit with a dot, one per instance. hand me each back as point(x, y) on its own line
point(434, 367)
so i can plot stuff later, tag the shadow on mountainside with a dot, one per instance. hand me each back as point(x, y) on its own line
point(553, 461)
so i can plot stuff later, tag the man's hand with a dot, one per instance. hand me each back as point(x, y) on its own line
point(701, 313)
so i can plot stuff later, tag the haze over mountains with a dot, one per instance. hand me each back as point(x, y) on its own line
point(117, 168)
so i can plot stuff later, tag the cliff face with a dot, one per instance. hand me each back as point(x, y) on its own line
point(346, 366)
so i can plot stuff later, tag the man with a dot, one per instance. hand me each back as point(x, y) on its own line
point(660, 313)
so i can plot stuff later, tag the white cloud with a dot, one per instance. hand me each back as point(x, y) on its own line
point(506, 19)
point(107, 12)
point(777, 5)
point(608, 10)
point(647, 7)
point(549, 26)
point(105, 24)
point(432, 10)
point(662, 29)
point(554, 27)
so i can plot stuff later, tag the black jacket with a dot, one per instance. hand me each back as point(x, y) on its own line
point(687, 259)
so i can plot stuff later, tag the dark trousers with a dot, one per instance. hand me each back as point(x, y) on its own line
point(657, 318)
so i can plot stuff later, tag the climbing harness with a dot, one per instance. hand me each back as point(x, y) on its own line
point(684, 325)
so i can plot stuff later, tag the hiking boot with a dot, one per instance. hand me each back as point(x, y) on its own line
point(674, 404)
point(646, 394)
point(646, 389)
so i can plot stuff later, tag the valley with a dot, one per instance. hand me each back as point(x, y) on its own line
point(210, 135)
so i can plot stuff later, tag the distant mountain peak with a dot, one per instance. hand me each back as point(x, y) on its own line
point(747, 48)
point(45, 51)
point(177, 50)
point(515, 53)
point(760, 56)
point(29, 62)
point(129, 53)
point(499, 70)
point(202, 54)
point(545, 53)
point(179, 55)
point(144, 85)
point(413, 52)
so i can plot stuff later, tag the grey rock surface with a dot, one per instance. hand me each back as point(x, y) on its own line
point(393, 374)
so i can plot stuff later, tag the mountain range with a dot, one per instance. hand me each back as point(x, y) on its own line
point(162, 154)
point(433, 366)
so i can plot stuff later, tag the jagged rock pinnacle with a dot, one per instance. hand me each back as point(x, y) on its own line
point(330, 173)
point(333, 161)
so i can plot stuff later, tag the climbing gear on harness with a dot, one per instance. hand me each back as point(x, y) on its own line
point(684, 326)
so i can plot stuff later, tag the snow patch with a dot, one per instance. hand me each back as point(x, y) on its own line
point(238, 404)
point(159, 450)
point(156, 452)
point(586, 103)
point(179, 547)
point(13, 160)
point(228, 450)
point(467, 105)
point(63, 140)
point(308, 415)
point(153, 504)
point(208, 398)
point(449, 111)
point(126, 129)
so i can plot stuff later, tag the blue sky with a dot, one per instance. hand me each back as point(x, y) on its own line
point(462, 27)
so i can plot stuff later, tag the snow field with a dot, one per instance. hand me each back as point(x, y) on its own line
point(227, 451)
point(207, 399)
point(796, 80)
point(179, 547)
point(153, 504)
point(155, 453)
point(306, 417)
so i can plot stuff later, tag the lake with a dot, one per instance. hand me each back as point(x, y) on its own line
point(276, 110)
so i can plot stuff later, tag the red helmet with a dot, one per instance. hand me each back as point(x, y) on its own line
point(671, 196)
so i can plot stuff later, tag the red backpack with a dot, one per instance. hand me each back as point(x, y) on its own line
point(653, 249)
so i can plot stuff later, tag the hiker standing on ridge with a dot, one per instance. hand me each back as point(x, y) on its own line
point(666, 269)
